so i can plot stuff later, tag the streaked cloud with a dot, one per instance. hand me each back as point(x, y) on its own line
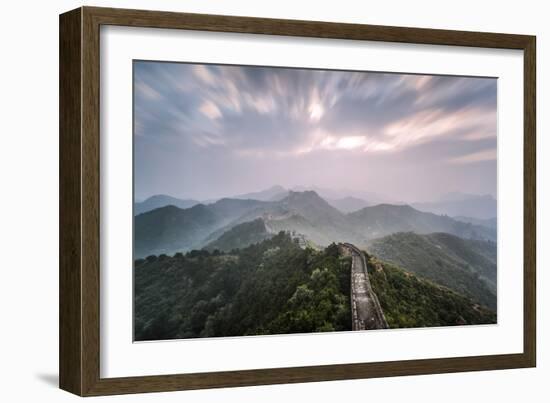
point(479, 156)
point(210, 109)
point(248, 114)
point(143, 90)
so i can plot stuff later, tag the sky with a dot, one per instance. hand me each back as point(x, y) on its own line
point(209, 131)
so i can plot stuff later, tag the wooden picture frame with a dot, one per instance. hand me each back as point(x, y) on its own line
point(80, 199)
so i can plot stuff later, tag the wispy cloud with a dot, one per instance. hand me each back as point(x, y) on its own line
point(210, 109)
point(479, 156)
point(257, 112)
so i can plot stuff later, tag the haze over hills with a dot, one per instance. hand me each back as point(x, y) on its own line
point(311, 216)
point(385, 219)
point(170, 229)
point(344, 200)
point(485, 222)
point(272, 194)
point(349, 204)
point(459, 204)
point(336, 194)
point(241, 235)
point(158, 201)
point(469, 207)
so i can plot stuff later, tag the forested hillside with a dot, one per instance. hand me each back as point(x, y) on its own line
point(408, 301)
point(276, 287)
point(241, 236)
point(464, 265)
point(272, 287)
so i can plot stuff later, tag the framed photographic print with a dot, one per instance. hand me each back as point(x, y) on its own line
point(249, 201)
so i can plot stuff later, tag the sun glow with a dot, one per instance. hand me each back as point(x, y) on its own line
point(316, 112)
point(351, 142)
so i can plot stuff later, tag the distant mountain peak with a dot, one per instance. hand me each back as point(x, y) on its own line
point(348, 204)
point(305, 196)
point(275, 188)
point(386, 207)
point(263, 195)
point(304, 193)
point(394, 206)
point(297, 192)
point(159, 196)
point(162, 200)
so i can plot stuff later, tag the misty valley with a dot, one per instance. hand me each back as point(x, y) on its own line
point(302, 260)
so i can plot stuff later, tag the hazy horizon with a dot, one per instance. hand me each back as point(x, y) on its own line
point(342, 193)
point(211, 131)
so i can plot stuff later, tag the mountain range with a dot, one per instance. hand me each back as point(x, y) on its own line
point(273, 193)
point(170, 229)
point(271, 262)
point(349, 204)
point(158, 201)
point(466, 207)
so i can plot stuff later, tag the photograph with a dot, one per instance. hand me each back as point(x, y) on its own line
point(274, 200)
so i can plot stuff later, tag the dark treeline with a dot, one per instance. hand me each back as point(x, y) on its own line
point(410, 301)
point(277, 287)
point(268, 288)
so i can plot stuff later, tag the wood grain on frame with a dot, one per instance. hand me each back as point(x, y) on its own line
point(79, 200)
point(70, 314)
